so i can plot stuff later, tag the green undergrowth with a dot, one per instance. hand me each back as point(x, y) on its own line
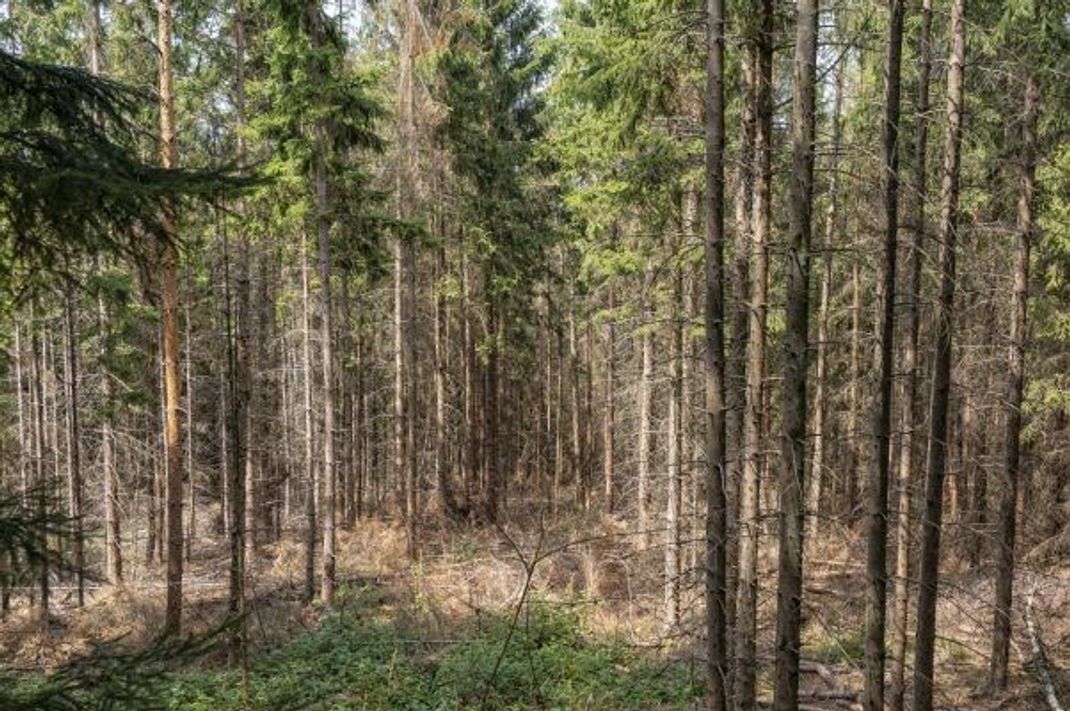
point(356, 659)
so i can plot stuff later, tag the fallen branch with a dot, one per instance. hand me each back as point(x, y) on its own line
point(1040, 659)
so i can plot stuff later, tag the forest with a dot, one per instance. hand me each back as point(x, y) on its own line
point(548, 354)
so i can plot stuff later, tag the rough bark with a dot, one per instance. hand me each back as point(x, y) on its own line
point(877, 528)
point(715, 441)
point(795, 351)
point(908, 404)
point(169, 298)
point(925, 637)
point(1001, 623)
point(749, 492)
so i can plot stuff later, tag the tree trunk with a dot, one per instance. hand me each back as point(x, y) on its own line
point(644, 396)
point(877, 537)
point(74, 445)
point(311, 497)
point(925, 638)
point(1001, 623)
point(715, 443)
point(796, 336)
point(169, 297)
point(817, 467)
point(910, 369)
point(750, 487)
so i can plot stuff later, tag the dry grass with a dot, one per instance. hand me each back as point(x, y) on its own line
point(608, 574)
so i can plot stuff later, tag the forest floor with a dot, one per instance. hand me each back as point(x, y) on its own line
point(441, 633)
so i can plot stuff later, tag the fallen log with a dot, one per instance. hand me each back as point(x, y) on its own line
point(1040, 659)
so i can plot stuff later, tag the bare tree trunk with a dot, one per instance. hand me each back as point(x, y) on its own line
point(609, 411)
point(644, 395)
point(673, 538)
point(796, 336)
point(877, 538)
point(169, 295)
point(41, 476)
point(311, 497)
point(74, 444)
point(715, 443)
point(404, 285)
point(925, 637)
point(1001, 623)
point(817, 468)
point(850, 484)
point(750, 487)
point(910, 370)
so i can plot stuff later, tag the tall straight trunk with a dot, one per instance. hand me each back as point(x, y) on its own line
point(850, 475)
point(23, 429)
point(877, 540)
point(320, 143)
point(908, 404)
point(404, 284)
point(579, 472)
point(1001, 622)
point(470, 458)
point(169, 298)
point(817, 467)
point(113, 553)
point(796, 336)
point(749, 492)
point(191, 527)
point(311, 496)
point(239, 385)
point(41, 477)
point(907, 426)
point(644, 396)
point(443, 479)
point(74, 444)
point(675, 444)
point(113, 562)
point(609, 413)
point(925, 637)
point(715, 441)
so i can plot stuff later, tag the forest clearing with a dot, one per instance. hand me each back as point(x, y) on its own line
point(504, 354)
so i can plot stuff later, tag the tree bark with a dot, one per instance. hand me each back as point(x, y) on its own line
point(795, 346)
point(750, 487)
point(1001, 623)
point(715, 441)
point(925, 637)
point(877, 529)
point(170, 306)
point(908, 405)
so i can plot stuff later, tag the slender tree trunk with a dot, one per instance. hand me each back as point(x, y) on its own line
point(877, 542)
point(191, 527)
point(609, 412)
point(675, 444)
point(850, 484)
point(925, 637)
point(796, 335)
point(1001, 623)
point(749, 493)
point(715, 442)
point(404, 287)
point(644, 395)
point(579, 472)
point(113, 553)
point(908, 405)
point(319, 178)
point(169, 296)
point(74, 444)
point(240, 383)
point(41, 475)
point(817, 468)
point(311, 497)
